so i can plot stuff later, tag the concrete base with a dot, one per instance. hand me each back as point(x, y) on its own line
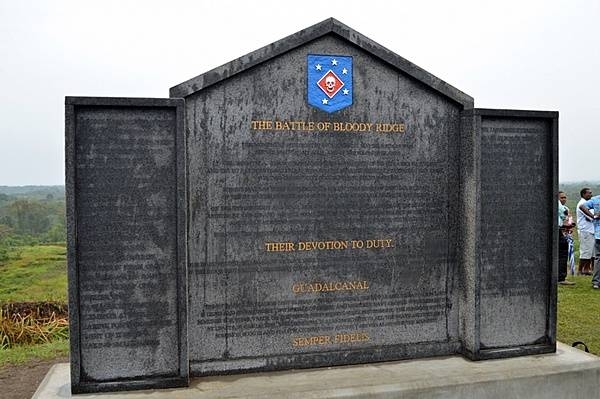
point(568, 373)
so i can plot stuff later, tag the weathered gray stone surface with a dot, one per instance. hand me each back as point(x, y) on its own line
point(260, 174)
point(508, 269)
point(251, 186)
point(127, 242)
point(516, 260)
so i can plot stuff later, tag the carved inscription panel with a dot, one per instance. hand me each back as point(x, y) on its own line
point(126, 259)
point(516, 251)
point(312, 233)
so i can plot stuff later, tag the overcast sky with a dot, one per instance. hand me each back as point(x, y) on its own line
point(540, 55)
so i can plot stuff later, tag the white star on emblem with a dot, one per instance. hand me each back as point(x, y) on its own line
point(318, 66)
point(334, 62)
point(344, 71)
point(346, 91)
point(325, 101)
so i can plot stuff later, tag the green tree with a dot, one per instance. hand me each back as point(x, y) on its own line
point(28, 217)
point(57, 233)
point(5, 232)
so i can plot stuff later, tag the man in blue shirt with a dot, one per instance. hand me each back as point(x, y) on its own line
point(594, 203)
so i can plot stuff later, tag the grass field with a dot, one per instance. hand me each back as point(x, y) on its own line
point(38, 273)
point(23, 354)
point(34, 273)
point(579, 313)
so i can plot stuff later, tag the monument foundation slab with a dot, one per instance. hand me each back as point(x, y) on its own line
point(568, 373)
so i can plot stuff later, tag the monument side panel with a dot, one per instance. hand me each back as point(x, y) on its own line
point(468, 243)
point(518, 201)
point(126, 240)
point(317, 237)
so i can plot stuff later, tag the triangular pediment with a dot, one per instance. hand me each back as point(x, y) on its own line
point(329, 26)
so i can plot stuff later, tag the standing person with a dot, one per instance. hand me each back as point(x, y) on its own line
point(594, 204)
point(585, 228)
point(563, 243)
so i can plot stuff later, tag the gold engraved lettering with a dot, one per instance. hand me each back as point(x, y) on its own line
point(261, 125)
point(378, 243)
point(330, 245)
point(325, 126)
point(317, 286)
point(343, 338)
point(285, 125)
point(310, 341)
point(372, 243)
point(349, 338)
point(352, 127)
point(390, 127)
point(322, 245)
point(279, 246)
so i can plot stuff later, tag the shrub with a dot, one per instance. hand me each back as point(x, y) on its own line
point(32, 323)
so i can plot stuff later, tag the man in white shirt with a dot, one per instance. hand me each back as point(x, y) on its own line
point(585, 228)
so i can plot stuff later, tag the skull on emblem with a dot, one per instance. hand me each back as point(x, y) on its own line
point(330, 83)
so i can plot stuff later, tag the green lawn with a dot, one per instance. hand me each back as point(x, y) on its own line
point(23, 354)
point(34, 273)
point(579, 313)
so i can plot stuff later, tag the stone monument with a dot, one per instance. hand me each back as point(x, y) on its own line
point(126, 234)
point(320, 201)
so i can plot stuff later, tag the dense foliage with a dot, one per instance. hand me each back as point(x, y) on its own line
point(31, 215)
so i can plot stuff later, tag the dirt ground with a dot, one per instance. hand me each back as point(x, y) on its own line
point(21, 382)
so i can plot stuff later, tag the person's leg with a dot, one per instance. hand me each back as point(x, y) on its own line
point(581, 268)
point(586, 252)
point(563, 256)
point(584, 266)
point(596, 274)
point(593, 260)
